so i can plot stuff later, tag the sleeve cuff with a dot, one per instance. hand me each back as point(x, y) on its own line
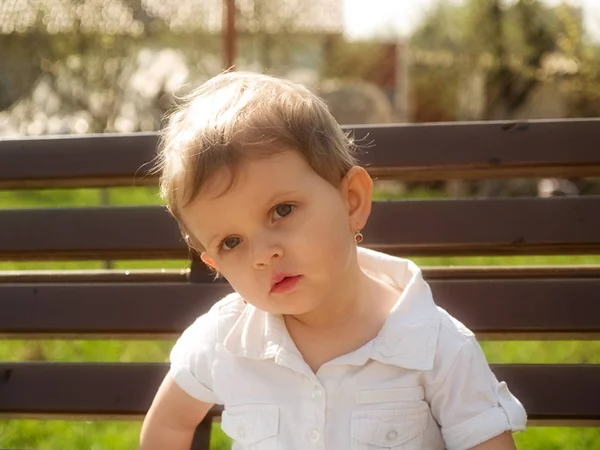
point(488, 424)
point(510, 415)
point(191, 386)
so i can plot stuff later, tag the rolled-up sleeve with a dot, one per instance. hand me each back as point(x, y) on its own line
point(470, 404)
point(192, 358)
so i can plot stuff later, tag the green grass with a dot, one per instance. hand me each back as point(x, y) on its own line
point(57, 198)
point(80, 435)
point(59, 434)
point(55, 435)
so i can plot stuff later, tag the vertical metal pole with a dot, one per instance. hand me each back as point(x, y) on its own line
point(202, 435)
point(229, 34)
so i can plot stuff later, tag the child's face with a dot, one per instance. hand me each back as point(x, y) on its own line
point(282, 235)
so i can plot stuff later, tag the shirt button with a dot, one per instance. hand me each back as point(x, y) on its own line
point(317, 392)
point(392, 435)
point(314, 436)
point(242, 430)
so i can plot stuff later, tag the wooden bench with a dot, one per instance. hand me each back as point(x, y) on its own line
point(531, 303)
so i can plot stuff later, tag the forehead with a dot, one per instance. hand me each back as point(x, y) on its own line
point(266, 173)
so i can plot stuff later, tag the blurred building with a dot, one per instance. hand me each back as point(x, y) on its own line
point(69, 53)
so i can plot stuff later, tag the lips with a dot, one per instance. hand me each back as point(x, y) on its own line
point(282, 282)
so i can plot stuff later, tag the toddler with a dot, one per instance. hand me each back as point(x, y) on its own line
point(323, 344)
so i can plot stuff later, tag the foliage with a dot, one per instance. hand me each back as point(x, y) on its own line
point(487, 59)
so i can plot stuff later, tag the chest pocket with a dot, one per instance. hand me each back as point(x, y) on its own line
point(401, 427)
point(252, 427)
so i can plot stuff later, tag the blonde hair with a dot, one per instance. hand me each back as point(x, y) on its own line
point(239, 115)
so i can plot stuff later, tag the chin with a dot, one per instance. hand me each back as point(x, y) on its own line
point(297, 310)
point(281, 306)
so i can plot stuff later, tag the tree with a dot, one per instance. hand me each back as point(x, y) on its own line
point(503, 46)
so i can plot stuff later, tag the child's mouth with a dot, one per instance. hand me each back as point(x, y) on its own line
point(285, 283)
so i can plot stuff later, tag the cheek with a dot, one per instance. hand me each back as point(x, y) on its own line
point(229, 268)
point(325, 236)
point(240, 279)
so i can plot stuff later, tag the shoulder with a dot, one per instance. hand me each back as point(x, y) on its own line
point(454, 339)
point(452, 330)
point(213, 325)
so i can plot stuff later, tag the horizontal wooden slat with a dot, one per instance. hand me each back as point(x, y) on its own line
point(107, 310)
point(90, 233)
point(494, 309)
point(432, 227)
point(559, 393)
point(508, 272)
point(561, 148)
point(77, 161)
point(523, 309)
point(486, 227)
point(171, 275)
point(475, 150)
point(97, 276)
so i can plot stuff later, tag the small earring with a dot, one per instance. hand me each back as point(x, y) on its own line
point(358, 237)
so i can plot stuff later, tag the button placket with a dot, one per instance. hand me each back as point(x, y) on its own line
point(317, 405)
point(317, 392)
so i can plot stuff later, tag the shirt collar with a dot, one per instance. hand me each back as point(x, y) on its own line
point(407, 339)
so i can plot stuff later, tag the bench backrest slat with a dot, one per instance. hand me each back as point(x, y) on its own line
point(411, 152)
point(432, 227)
point(118, 390)
point(512, 272)
point(113, 309)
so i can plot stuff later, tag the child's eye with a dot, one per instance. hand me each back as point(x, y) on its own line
point(229, 243)
point(280, 211)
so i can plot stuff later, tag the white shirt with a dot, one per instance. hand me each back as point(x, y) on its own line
point(422, 384)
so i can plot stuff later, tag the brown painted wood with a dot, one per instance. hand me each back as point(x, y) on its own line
point(120, 390)
point(77, 161)
point(182, 275)
point(560, 148)
point(90, 233)
point(476, 150)
point(498, 309)
point(523, 309)
point(563, 393)
point(486, 227)
point(508, 272)
point(434, 227)
point(96, 276)
point(109, 310)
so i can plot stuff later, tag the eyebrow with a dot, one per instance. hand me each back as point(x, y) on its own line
point(270, 201)
point(280, 195)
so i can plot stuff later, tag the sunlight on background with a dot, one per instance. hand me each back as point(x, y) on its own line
point(374, 18)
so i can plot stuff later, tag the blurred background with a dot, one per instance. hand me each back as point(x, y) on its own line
point(116, 66)
point(95, 66)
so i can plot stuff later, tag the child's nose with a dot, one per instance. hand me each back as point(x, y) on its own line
point(265, 251)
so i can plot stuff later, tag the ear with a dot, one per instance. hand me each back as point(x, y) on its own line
point(356, 189)
point(204, 256)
